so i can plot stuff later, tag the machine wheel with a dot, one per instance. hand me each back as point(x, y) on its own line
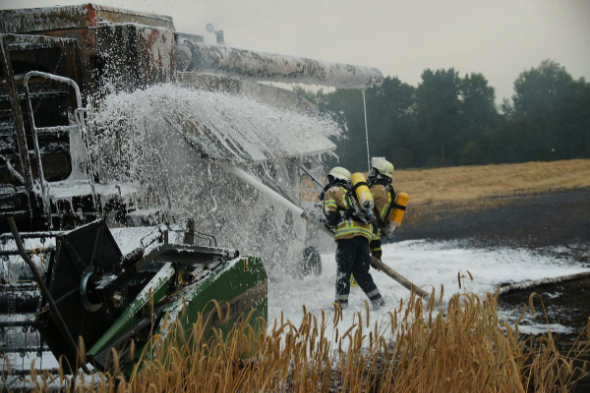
point(311, 262)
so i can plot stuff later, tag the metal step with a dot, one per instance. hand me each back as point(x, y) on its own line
point(34, 349)
point(36, 95)
point(7, 146)
point(25, 46)
point(34, 324)
point(7, 130)
point(14, 213)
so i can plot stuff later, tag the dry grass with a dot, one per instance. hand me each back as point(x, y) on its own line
point(420, 349)
point(475, 188)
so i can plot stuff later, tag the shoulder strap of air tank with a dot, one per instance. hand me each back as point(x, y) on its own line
point(348, 195)
point(352, 210)
point(357, 185)
point(392, 206)
point(399, 206)
point(393, 195)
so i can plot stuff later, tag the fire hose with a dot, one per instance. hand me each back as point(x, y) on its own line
point(375, 263)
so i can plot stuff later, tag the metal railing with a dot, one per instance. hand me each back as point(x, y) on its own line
point(79, 118)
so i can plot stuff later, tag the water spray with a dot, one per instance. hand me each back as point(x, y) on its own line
point(304, 169)
point(275, 196)
point(376, 263)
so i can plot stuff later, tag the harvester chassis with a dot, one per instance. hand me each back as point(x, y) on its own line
point(109, 299)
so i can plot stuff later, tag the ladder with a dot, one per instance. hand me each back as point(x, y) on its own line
point(15, 138)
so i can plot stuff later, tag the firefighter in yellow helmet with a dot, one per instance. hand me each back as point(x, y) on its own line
point(379, 180)
point(352, 234)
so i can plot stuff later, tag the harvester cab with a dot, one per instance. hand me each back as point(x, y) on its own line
point(136, 160)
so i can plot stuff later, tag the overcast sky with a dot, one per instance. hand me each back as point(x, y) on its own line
point(499, 38)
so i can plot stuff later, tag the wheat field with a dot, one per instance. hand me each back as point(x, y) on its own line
point(421, 348)
point(476, 188)
point(465, 183)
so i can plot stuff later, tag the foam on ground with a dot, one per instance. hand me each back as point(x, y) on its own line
point(426, 264)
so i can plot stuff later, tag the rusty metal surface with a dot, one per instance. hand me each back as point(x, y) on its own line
point(49, 100)
point(29, 49)
point(20, 137)
point(75, 17)
point(134, 56)
point(135, 49)
point(260, 66)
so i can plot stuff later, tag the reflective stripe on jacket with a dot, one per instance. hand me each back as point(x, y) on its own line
point(336, 203)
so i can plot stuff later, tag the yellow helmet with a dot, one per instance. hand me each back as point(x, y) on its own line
point(340, 173)
point(382, 166)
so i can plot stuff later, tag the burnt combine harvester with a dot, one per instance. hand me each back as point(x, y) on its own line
point(111, 118)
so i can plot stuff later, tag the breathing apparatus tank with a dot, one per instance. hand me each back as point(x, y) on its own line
point(362, 192)
point(397, 213)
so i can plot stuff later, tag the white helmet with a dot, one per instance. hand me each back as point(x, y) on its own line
point(382, 166)
point(339, 173)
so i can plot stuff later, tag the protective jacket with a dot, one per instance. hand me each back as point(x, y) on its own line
point(384, 197)
point(338, 209)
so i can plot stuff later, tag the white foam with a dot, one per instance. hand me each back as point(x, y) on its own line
point(427, 264)
point(221, 126)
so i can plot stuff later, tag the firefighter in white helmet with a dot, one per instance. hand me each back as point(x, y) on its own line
point(379, 181)
point(352, 235)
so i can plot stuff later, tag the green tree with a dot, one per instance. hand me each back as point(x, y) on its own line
point(448, 120)
point(472, 154)
point(391, 123)
point(478, 108)
point(479, 117)
point(551, 111)
point(438, 107)
point(346, 107)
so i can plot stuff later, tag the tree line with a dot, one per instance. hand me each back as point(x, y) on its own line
point(451, 120)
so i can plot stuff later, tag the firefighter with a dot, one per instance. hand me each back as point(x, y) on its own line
point(352, 235)
point(379, 180)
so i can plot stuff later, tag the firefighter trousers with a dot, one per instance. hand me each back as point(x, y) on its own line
point(353, 257)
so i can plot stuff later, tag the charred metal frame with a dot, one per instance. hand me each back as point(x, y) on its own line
point(97, 297)
point(78, 115)
point(143, 50)
point(18, 119)
point(46, 295)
